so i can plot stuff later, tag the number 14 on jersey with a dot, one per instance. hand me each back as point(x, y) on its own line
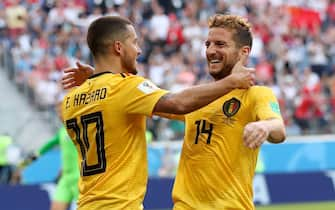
point(203, 128)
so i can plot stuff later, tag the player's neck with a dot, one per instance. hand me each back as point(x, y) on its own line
point(108, 64)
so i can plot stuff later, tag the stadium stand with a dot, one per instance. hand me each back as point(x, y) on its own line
point(28, 127)
point(292, 49)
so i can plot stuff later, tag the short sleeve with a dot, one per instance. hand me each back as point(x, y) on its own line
point(140, 95)
point(266, 104)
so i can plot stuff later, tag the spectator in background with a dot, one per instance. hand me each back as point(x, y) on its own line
point(16, 18)
point(159, 25)
point(317, 57)
point(331, 12)
point(309, 112)
point(175, 37)
point(264, 71)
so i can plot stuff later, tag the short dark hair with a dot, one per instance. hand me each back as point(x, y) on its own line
point(104, 31)
point(240, 26)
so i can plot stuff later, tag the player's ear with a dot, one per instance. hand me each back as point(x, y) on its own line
point(117, 46)
point(244, 52)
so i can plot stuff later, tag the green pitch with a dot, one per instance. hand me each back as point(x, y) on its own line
point(304, 206)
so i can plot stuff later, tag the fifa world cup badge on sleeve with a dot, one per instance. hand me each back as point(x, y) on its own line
point(275, 107)
point(147, 87)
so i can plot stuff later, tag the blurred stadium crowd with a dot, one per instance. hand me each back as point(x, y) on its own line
point(293, 50)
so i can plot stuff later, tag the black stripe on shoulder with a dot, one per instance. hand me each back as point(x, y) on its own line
point(123, 75)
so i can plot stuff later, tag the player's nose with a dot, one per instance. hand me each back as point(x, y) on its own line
point(139, 51)
point(210, 51)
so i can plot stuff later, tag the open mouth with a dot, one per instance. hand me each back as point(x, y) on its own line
point(215, 61)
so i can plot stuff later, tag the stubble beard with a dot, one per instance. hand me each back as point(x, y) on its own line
point(129, 64)
point(224, 71)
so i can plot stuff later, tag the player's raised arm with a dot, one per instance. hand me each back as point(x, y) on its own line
point(75, 76)
point(196, 97)
point(179, 117)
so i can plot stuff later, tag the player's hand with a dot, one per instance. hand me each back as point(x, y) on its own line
point(16, 176)
point(31, 157)
point(244, 76)
point(254, 134)
point(75, 76)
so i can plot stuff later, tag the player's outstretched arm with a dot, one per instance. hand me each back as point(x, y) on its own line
point(179, 117)
point(256, 133)
point(196, 97)
point(75, 76)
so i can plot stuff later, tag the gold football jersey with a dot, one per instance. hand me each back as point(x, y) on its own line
point(106, 119)
point(216, 170)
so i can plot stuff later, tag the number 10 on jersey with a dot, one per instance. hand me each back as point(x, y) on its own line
point(85, 143)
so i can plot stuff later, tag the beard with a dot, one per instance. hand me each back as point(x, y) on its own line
point(129, 64)
point(228, 63)
point(223, 72)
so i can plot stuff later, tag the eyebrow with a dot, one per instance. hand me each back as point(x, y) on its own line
point(221, 41)
point(217, 41)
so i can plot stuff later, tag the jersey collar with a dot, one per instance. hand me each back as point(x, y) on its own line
point(100, 73)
